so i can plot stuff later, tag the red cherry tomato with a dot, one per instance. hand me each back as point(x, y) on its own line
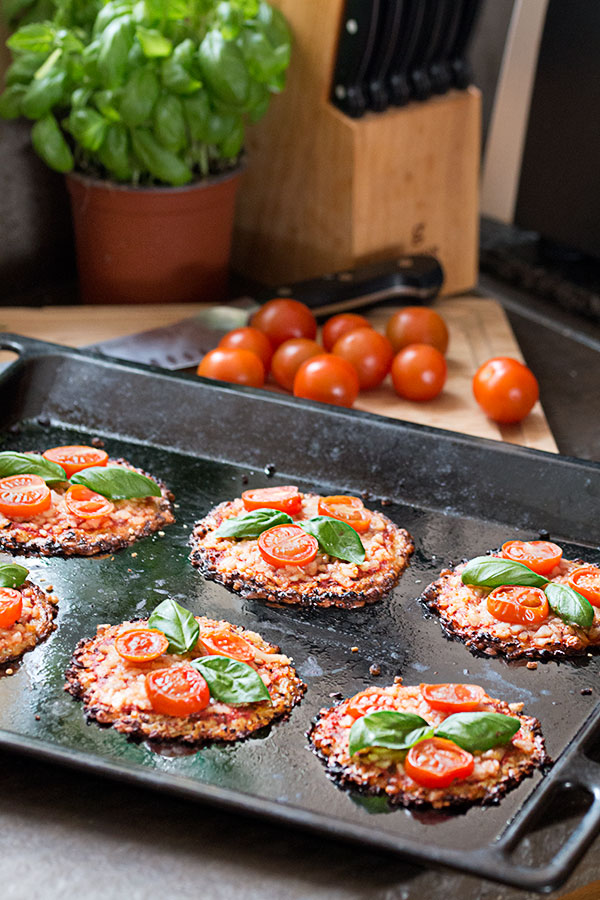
point(87, 504)
point(141, 645)
point(437, 762)
point(371, 700)
point(248, 338)
point(518, 605)
point(177, 691)
point(417, 325)
point(237, 366)
point(505, 389)
point(586, 581)
point(334, 328)
point(453, 697)
point(369, 352)
point(24, 495)
point(347, 509)
point(222, 642)
point(328, 379)
point(539, 556)
point(11, 606)
point(281, 320)
point(288, 545)
point(286, 498)
point(419, 372)
point(75, 458)
point(288, 358)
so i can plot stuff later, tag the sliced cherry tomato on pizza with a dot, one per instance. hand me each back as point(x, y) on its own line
point(286, 498)
point(437, 762)
point(518, 605)
point(347, 509)
point(141, 645)
point(24, 495)
point(76, 457)
point(11, 606)
point(586, 581)
point(87, 504)
point(453, 697)
point(222, 642)
point(540, 556)
point(288, 545)
point(177, 691)
point(369, 701)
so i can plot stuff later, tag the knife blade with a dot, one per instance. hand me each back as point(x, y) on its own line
point(183, 344)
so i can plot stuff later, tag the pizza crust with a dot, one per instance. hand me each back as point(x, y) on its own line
point(35, 623)
point(239, 565)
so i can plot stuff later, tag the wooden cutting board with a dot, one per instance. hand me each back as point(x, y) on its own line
point(478, 329)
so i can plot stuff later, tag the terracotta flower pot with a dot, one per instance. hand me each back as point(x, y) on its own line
point(153, 245)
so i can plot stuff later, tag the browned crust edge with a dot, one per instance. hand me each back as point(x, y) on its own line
point(49, 603)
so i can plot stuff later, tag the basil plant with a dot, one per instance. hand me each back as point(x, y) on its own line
point(146, 91)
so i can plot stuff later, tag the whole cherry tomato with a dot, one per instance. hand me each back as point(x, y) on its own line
point(540, 556)
point(417, 325)
point(369, 352)
point(281, 320)
point(248, 338)
point(505, 389)
point(237, 366)
point(177, 691)
point(419, 372)
point(334, 328)
point(437, 762)
point(453, 697)
point(518, 605)
point(327, 378)
point(288, 358)
point(75, 458)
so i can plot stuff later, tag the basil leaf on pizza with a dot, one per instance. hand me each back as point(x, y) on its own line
point(116, 483)
point(12, 575)
point(387, 728)
point(252, 524)
point(177, 624)
point(572, 607)
point(231, 681)
point(492, 572)
point(481, 731)
point(336, 538)
point(30, 464)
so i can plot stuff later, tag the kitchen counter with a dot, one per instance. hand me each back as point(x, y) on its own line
point(67, 834)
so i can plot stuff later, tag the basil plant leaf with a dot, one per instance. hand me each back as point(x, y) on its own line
point(569, 605)
point(481, 731)
point(386, 728)
point(252, 524)
point(177, 624)
point(12, 575)
point(336, 538)
point(232, 681)
point(493, 572)
point(30, 464)
point(116, 483)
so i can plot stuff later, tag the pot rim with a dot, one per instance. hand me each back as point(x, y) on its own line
point(89, 181)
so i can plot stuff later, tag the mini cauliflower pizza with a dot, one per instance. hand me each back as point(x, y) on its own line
point(179, 678)
point(75, 501)
point(524, 601)
point(440, 746)
point(26, 613)
point(283, 546)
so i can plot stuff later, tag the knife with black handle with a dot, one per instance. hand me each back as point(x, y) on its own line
point(390, 21)
point(462, 74)
point(430, 35)
point(440, 70)
point(356, 45)
point(182, 345)
point(408, 36)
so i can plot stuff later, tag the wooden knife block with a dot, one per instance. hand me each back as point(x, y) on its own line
point(324, 192)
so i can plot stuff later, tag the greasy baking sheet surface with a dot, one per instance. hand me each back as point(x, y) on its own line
point(274, 772)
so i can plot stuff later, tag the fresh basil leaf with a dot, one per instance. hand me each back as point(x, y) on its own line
point(232, 681)
point(387, 728)
point(154, 44)
point(12, 575)
point(177, 624)
point(569, 605)
point(478, 730)
point(252, 524)
point(336, 538)
point(116, 483)
point(30, 464)
point(492, 572)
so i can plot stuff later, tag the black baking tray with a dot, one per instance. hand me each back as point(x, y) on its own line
point(456, 495)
